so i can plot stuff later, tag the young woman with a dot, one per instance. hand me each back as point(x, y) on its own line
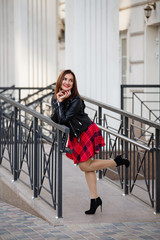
point(85, 138)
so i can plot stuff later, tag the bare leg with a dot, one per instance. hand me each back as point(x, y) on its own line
point(98, 164)
point(89, 167)
point(91, 180)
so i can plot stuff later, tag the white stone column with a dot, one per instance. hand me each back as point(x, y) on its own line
point(28, 43)
point(92, 47)
point(35, 47)
point(6, 43)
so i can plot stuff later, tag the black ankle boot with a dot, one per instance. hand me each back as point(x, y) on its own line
point(121, 161)
point(95, 203)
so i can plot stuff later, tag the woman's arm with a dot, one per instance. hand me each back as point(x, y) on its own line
point(59, 114)
point(75, 106)
point(54, 104)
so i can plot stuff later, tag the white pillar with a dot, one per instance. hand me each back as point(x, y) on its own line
point(92, 47)
point(6, 43)
point(35, 42)
point(28, 43)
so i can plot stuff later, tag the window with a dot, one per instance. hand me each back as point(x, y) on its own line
point(124, 60)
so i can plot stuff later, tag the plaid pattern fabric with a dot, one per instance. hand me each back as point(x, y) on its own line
point(90, 143)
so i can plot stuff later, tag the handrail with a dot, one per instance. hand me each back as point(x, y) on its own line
point(24, 88)
point(135, 90)
point(140, 85)
point(123, 112)
point(36, 114)
point(40, 89)
point(31, 95)
point(142, 162)
point(39, 99)
point(7, 88)
point(125, 138)
point(26, 151)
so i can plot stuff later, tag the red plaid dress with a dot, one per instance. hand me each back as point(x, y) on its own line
point(90, 143)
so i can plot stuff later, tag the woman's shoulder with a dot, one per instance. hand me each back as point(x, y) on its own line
point(77, 98)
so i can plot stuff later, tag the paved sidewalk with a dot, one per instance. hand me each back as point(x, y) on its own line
point(17, 224)
point(122, 218)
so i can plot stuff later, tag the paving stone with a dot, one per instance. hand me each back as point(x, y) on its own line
point(16, 224)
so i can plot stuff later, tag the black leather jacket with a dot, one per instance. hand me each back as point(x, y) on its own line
point(71, 113)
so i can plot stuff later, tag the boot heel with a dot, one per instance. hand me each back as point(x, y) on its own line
point(95, 203)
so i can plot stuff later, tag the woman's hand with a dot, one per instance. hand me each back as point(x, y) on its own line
point(62, 95)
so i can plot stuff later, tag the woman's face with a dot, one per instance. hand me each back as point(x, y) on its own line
point(67, 82)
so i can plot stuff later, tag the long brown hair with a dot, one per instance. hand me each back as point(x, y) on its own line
point(74, 90)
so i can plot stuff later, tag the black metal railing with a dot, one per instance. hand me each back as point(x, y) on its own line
point(26, 95)
point(124, 135)
point(36, 98)
point(138, 139)
point(134, 137)
point(7, 90)
point(31, 152)
point(143, 100)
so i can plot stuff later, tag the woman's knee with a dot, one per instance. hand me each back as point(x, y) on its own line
point(84, 166)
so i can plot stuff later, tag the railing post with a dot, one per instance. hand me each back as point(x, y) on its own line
point(36, 169)
point(15, 163)
point(122, 97)
point(59, 183)
point(100, 152)
point(126, 155)
point(41, 110)
point(157, 171)
point(19, 95)
point(0, 135)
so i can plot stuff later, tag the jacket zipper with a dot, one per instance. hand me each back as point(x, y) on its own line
point(74, 130)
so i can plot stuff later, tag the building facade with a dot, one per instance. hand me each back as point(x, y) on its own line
point(140, 52)
point(106, 43)
point(139, 42)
